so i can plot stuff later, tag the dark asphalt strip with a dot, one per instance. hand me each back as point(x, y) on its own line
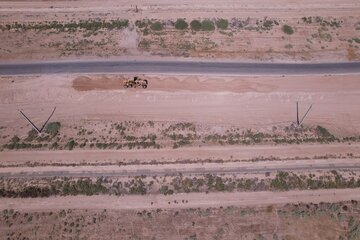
point(180, 67)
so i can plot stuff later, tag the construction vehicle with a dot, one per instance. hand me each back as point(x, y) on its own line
point(135, 82)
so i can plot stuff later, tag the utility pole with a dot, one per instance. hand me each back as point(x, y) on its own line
point(297, 113)
point(305, 114)
point(299, 122)
point(33, 125)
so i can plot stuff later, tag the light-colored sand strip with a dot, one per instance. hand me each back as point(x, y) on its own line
point(191, 200)
point(164, 155)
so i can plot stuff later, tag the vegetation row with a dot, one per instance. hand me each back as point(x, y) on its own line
point(283, 181)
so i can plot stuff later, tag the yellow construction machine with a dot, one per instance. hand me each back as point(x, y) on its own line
point(135, 82)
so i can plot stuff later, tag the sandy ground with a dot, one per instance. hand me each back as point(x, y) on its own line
point(253, 102)
point(310, 42)
point(191, 200)
point(292, 221)
point(13, 158)
point(258, 102)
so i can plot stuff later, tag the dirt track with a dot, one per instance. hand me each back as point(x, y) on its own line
point(158, 8)
point(172, 155)
point(191, 200)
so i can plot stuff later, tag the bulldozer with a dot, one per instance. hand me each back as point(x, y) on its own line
point(135, 82)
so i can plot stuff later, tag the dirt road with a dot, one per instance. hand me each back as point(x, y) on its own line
point(183, 7)
point(225, 153)
point(190, 200)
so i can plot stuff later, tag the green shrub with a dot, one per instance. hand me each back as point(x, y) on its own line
point(181, 24)
point(32, 134)
point(307, 19)
point(207, 25)
point(52, 128)
point(83, 187)
point(268, 24)
point(142, 23)
point(15, 139)
point(287, 29)
point(145, 44)
point(222, 23)
point(323, 132)
point(156, 26)
point(55, 145)
point(195, 25)
point(71, 144)
point(357, 40)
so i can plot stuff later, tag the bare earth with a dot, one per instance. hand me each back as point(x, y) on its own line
point(259, 102)
point(92, 102)
point(292, 221)
point(185, 216)
point(244, 39)
point(192, 200)
point(230, 153)
point(175, 120)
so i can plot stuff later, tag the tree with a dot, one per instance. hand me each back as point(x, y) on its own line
point(181, 24)
point(195, 25)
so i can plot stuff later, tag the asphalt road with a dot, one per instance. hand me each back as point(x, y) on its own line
point(151, 170)
point(180, 67)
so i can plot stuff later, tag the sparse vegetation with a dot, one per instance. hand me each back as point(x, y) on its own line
point(282, 181)
point(142, 23)
point(268, 24)
point(130, 135)
point(332, 22)
point(193, 223)
point(323, 34)
point(90, 25)
point(145, 44)
point(307, 20)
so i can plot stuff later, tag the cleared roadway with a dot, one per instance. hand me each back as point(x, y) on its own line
point(180, 200)
point(176, 169)
point(180, 67)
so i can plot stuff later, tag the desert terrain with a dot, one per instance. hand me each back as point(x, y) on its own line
point(291, 221)
point(191, 156)
point(258, 30)
point(231, 140)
